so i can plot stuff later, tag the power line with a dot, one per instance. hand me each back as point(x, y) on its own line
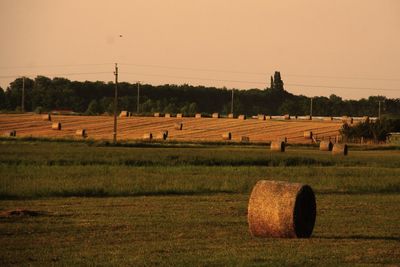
point(55, 66)
point(55, 74)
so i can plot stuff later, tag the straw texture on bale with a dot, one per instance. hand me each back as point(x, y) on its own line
point(46, 117)
point(157, 114)
point(147, 136)
point(325, 146)
point(340, 149)
point(56, 126)
point(242, 117)
point(198, 115)
point(281, 209)
point(167, 115)
point(231, 116)
point(227, 136)
point(124, 113)
point(286, 117)
point(245, 139)
point(11, 133)
point(81, 132)
point(178, 126)
point(179, 115)
point(261, 117)
point(215, 115)
point(308, 134)
point(278, 146)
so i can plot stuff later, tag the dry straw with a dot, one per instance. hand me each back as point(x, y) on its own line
point(81, 133)
point(242, 117)
point(325, 146)
point(227, 136)
point(340, 149)
point(56, 126)
point(281, 209)
point(278, 146)
point(46, 117)
point(198, 115)
point(147, 136)
point(178, 126)
point(215, 115)
point(308, 134)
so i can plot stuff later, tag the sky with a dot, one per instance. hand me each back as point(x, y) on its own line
point(350, 48)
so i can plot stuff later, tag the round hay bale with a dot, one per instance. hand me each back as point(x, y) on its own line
point(56, 126)
point(308, 134)
point(286, 117)
point(340, 149)
point(242, 117)
point(46, 117)
point(245, 139)
point(227, 136)
point(157, 114)
point(268, 117)
point(167, 115)
point(12, 133)
point(179, 115)
point(278, 146)
point(281, 209)
point(328, 118)
point(198, 115)
point(161, 136)
point(215, 115)
point(308, 117)
point(124, 113)
point(365, 119)
point(178, 126)
point(81, 133)
point(147, 136)
point(325, 146)
point(231, 116)
point(261, 117)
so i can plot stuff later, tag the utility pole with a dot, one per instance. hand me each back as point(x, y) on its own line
point(23, 95)
point(379, 110)
point(311, 107)
point(232, 102)
point(137, 105)
point(115, 103)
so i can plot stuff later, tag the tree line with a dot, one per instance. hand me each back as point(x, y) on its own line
point(44, 94)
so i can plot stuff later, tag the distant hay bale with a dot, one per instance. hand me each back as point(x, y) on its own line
point(163, 135)
point(147, 136)
point(227, 136)
point(281, 209)
point(215, 115)
point(365, 119)
point(12, 133)
point(124, 113)
point(278, 146)
point(308, 117)
point(242, 117)
point(261, 117)
point(328, 118)
point(178, 126)
point(179, 115)
point(231, 116)
point(46, 117)
point(347, 120)
point(157, 114)
point(245, 139)
point(81, 133)
point(198, 115)
point(340, 149)
point(268, 117)
point(56, 126)
point(325, 146)
point(308, 134)
point(286, 117)
point(167, 115)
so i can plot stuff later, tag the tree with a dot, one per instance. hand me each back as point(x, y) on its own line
point(94, 108)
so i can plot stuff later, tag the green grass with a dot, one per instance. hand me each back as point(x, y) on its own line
point(106, 205)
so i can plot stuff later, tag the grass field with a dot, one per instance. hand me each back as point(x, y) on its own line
point(103, 205)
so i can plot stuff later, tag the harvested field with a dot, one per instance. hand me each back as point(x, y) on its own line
point(200, 129)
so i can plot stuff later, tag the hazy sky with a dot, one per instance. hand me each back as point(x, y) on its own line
point(317, 45)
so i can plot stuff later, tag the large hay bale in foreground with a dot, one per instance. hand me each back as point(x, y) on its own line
point(242, 117)
point(325, 146)
point(148, 136)
point(179, 115)
point(215, 115)
point(12, 133)
point(124, 113)
point(56, 126)
point(227, 136)
point(308, 134)
point(281, 209)
point(178, 126)
point(197, 116)
point(340, 149)
point(278, 146)
point(81, 133)
point(46, 117)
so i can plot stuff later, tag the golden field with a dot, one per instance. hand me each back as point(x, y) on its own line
point(194, 129)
